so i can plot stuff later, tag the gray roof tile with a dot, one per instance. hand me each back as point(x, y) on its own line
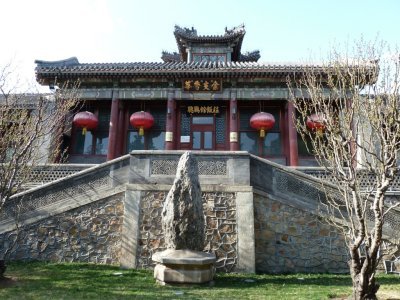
point(74, 69)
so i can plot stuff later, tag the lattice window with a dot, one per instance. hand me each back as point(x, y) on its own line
point(163, 167)
point(289, 184)
point(70, 189)
point(367, 181)
point(185, 122)
point(215, 167)
point(212, 167)
point(44, 175)
point(220, 125)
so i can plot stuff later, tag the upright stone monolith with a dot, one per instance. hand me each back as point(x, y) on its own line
point(184, 230)
point(182, 215)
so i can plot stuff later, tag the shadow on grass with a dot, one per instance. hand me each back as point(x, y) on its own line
point(295, 279)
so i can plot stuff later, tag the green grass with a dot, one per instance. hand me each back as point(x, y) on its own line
point(38, 280)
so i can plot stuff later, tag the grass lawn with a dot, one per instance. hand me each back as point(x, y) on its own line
point(38, 280)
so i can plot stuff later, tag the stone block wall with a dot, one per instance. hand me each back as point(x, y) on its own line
point(90, 233)
point(221, 231)
point(288, 239)
point(259, 216)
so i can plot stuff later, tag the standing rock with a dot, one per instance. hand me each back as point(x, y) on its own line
point(183, 225)
point(182, 215)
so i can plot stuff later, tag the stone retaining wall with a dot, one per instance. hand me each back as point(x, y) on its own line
point(221, 233)
point(90, 233)
point(291, 240)
point(259, 216)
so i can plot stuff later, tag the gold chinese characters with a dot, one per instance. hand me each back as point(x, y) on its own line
point(203, 109)
point(202, 85)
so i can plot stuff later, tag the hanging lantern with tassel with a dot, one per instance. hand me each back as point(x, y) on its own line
point(262, 121)
point(85, 120)
point(142, 120)
point(315, 122)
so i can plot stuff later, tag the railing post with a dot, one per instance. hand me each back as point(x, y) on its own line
point(292, 135)
point(170, 134)
point(233, 128)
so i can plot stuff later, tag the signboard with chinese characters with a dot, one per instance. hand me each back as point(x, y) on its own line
point(202, 85)
point(197, 109)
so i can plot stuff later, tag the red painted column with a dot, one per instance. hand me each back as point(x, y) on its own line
point(112, 136)
point(121, 134)
point(170, 128)
point(233, 127)
point(292, 136)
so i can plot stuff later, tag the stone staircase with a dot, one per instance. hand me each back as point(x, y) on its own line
point(53, 186)
point(306, 187)
point(101, 213)
point(77, 186)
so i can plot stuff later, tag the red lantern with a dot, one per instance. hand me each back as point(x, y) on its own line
point(142, 120)
point(262, 121)
point(315, 122)
point(86, 120)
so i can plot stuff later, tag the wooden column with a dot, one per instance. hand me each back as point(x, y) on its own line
point(112, 136)
point(121, 130)
point(233, 128)
point(170, 128)
point(292, 136)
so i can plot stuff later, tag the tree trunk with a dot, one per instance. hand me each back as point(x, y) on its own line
point(364, 284)
point(3, 268)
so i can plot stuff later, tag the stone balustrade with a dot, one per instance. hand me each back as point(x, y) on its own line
point(260, 216)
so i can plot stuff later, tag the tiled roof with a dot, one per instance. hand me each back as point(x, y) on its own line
point(163, 69)
point(191, 34)
point(71, 68)
point(232, 36)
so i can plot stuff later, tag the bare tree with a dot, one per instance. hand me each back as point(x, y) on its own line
point(31, 127)
point(353, 99)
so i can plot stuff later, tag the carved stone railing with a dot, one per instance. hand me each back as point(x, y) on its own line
point(287, 184)
point(298, 188)
point(43, 174)
point(217, 167)
point(366, 180)
point(65, 193)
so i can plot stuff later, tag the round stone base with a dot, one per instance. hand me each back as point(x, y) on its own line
point(184, 266)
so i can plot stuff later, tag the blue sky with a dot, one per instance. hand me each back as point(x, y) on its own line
point(138, 30)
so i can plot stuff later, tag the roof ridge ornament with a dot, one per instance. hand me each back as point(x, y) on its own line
point(252, 56)
point(186, 31)
point(72, 61)
point(170, 56)
point(236, 29)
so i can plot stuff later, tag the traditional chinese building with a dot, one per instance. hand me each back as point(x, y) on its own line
point(199, 98)
point(208, 96)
